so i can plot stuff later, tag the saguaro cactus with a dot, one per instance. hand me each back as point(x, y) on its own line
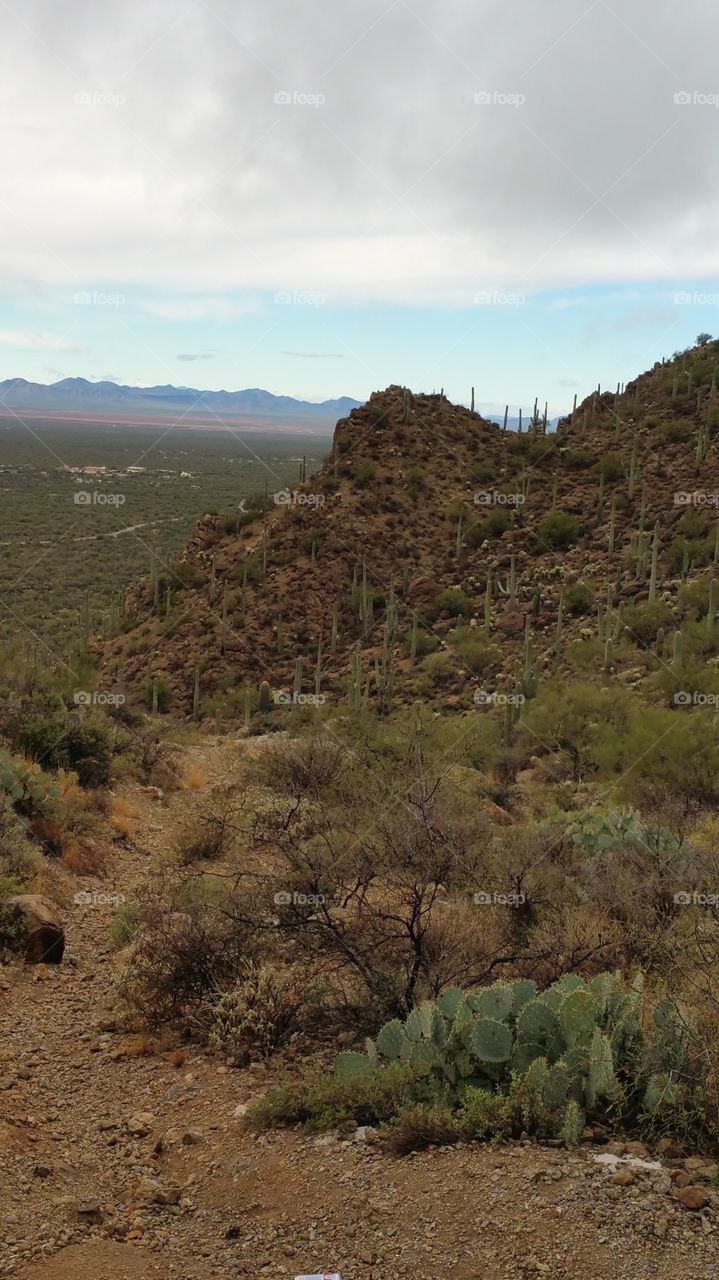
point(713, 603)
point(655, 562)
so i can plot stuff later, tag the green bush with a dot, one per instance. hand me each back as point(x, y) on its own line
point(692, 552)
point(643, 621)
point(425, 642)
point(438, 669)
point(557, 529)
point(491, 526)
point(454, 602)
point(579, 599)
point(676, 431)
point(612, 466)
point(363, 473)
point(578, 459)
point(474, 650)
point(416, 481)
point(324, 1102)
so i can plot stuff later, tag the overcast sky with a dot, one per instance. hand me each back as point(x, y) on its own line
point(324, 197)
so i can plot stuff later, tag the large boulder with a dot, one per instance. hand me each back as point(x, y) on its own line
point(34, 927)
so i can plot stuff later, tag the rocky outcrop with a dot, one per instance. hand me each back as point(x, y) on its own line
point(37, 928)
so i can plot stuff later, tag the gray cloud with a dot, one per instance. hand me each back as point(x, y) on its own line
point(196, 355)
point(150, 148)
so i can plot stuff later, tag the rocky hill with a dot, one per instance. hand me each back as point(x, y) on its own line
point(436, 554)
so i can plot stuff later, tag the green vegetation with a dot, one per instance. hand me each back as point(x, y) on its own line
point(558, 529)
point(62, 560)
point(506, 1058)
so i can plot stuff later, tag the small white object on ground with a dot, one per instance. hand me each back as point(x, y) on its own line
point(606, 1158)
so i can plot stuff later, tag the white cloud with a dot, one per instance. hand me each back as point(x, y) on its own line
point(199, 309)
point(37, 341)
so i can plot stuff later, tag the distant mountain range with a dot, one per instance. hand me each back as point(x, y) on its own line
point(108, 398)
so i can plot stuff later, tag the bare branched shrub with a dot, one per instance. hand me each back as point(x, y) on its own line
point(302, 768)
point(185, 949)
point(213, 828)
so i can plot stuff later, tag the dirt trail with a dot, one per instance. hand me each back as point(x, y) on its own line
point(127, 1168)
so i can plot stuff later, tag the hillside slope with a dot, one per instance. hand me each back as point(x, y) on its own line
point(426, 515)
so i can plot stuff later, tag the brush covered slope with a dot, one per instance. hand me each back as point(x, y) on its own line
point(435, 555)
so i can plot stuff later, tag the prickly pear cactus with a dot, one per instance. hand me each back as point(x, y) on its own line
point(577, 1015)
point(391, 1039)
point(537, 1023)
point(491, 1041)
point(349, 1065)
point(569, 1046)
point(601, 1080)
point(556, 1086)
point(494, 1002)
point(449, 1002)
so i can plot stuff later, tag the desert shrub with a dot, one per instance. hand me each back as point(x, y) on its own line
point(692, 552)
point(425, 641)
point(211, 830)
point(304, 767)
point(644, 620)
point(88, 751)
point(415, 480)
point(324, 853)
point(578, 459)
point(676, 430)
point(612, 466)
point(575, 720)
point(20, 860)
point(694, 595)
point(125, 924)
point(363, 473)
point(453, 602)
point(694, 523)
point(493, 525)
point(12, 926)
point(324, 1102)
point(316, 534)
point(474, 650)
point(579, 599)
point(663, 753)
point(156, 760)
point(557, 529)
point(425, 1124)
point(438, 669)
point(45, 731)
point(186, 948)
point(248, 569)
point(266, 1004)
